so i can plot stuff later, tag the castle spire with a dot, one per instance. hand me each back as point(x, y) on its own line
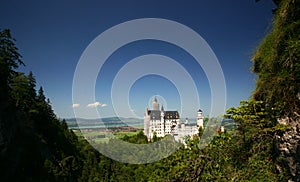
point(155, 105)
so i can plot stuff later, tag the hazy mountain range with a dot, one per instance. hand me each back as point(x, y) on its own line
point(76, 123)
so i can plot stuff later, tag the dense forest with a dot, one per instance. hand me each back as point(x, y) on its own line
point(36, 146)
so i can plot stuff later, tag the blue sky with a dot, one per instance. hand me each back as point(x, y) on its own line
point(52, 35)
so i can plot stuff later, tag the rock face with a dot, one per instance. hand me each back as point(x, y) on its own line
point(289, 146)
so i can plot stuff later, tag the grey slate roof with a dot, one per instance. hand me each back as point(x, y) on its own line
point(155, 114)
point(171, 115)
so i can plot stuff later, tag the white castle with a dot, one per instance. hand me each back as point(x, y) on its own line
point(161, 123)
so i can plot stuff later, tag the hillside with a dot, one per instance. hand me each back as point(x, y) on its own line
point(34, 144)
point(277, 64)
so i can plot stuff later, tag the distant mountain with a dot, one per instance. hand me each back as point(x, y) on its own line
point(76, 123)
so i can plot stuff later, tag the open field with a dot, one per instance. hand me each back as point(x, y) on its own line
point(122, 134)
point(102, 136)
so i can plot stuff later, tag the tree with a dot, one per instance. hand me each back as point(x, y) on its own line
point(10, 59)
point(34, 145)
point(32, 85)
point(41, 96)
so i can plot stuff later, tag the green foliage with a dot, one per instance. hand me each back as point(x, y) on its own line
point(10, 59)
point(140, 138)
point(201, 131)
point(277, 61)
point(34, 144)
point(254, 142)
point(277, 64)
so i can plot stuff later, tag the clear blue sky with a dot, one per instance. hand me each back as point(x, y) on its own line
point(52, 35)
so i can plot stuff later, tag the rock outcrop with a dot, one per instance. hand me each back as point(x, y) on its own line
point(288, 145)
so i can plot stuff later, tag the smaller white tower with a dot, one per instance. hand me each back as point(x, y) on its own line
point(186, 121)
point(200, 119)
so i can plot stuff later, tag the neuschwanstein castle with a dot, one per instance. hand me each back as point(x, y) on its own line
point(160, 122)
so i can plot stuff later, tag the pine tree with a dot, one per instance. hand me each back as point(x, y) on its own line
point(10, 60)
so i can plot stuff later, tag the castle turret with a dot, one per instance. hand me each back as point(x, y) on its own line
point(186, 121)
point(199, 119)
point(147, 111)
point(162, 119)
point(155, 105)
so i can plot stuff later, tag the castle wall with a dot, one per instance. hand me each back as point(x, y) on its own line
point(146, 125)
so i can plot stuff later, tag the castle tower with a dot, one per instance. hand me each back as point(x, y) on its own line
point(186, 121)
point(162, 120)
point(146, 123)
point(199, 119)
point(155, 105)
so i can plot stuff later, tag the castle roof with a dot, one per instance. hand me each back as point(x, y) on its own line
point(171, 114)
point(155, 114)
